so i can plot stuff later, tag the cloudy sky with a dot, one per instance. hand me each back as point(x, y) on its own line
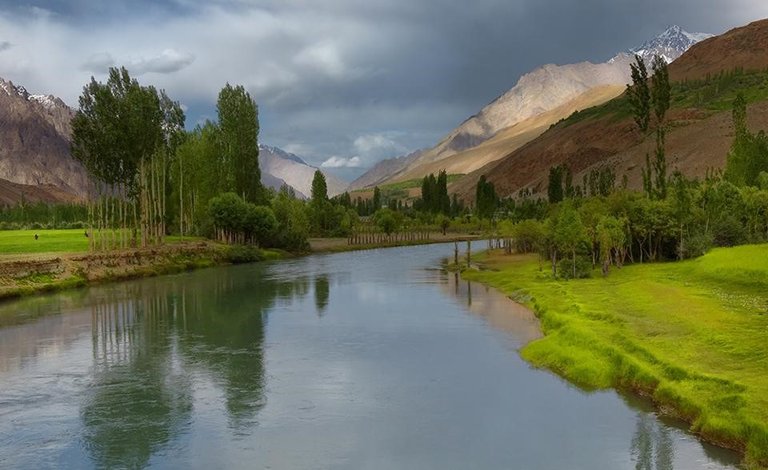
point(340, 82)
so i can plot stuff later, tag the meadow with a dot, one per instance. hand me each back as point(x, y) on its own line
point(693, 335)
point(17, 242)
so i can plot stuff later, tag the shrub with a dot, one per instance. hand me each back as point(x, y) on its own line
point(583, 268)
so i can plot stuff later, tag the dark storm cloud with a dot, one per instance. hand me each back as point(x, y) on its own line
point(331, 75)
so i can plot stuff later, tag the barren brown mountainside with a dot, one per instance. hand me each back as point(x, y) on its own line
point(745, 47)
point(698, 140)
point(12, 193)
point(35, 134)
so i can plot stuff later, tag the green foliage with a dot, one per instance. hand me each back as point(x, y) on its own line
point(386, 220)
point(486, 198)
point(239, 146)
point(660, 89)
point(639, 94)
point(51, 216)
point(237, 221)
point(555, 191)
point(292, 221)
point(434, 194)
point(748, 156)
point(319, 188)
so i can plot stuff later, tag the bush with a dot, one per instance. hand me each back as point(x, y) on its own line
point(696, 245)
point(583, 268)
point(728, 231)
point(36, 226)
point(239, 254)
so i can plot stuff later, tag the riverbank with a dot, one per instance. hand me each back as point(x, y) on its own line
point(29, 266)
point(338, 245)
point(691, 336)
point(30, 273)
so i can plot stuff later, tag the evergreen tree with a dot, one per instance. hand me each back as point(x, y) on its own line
point(319, 188)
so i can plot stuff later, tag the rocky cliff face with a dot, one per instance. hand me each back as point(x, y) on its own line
point(35, 133)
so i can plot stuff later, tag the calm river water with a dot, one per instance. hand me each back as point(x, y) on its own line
point(366, 360)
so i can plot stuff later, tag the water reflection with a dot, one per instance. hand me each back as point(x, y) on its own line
point(652, 446)
point(150, 339)
point(322, 293)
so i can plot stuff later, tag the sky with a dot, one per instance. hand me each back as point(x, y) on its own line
point(341, 83)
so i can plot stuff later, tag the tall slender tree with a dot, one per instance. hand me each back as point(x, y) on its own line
point(239, 134)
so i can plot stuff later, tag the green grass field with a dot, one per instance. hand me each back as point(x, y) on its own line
point(16, 242)
point(693, 335)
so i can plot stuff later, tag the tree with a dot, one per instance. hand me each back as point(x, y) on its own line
point(386, 221)
point(661, 90)
point(292, 222)
point(319, 188)
point(639, 94)
point(239, 126)
point(376, 198)
point(568, 232)
point(259, 223)
point(555, 192)
point(485, 195)
point(611, 235)
point(748, 156)
point(123, 133)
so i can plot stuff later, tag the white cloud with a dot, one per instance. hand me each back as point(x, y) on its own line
point(342, 162)
point(376, 146)
point(168, 61)
point(5, 45)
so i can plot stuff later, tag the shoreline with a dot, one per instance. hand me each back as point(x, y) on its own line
point(27, 274)
point(592, 362)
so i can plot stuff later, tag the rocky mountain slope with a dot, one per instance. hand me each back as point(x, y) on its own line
point(551, 90)
point(279, 167)
point(700, 135)
point(34, 141)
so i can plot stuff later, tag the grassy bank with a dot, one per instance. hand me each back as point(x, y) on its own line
point(30, 273)
point(692, 336)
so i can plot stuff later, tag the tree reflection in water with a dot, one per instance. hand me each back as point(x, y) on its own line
point(652, 447)
point(149, 337)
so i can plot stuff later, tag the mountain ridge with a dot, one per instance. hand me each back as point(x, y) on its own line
point(542, 90)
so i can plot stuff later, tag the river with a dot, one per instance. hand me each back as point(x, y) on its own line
point(360, 360)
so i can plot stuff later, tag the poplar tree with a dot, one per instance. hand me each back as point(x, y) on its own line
point(239, 134)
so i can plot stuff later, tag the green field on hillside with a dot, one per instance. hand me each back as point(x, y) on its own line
point(693, 335)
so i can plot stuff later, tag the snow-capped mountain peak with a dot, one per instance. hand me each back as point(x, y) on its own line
point(670, 44)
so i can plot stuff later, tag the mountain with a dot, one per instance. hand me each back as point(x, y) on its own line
point(383, 170)
point(35, 135)
point(539, 99)
point(279, 167)
point(700, 123)
point(670, 44)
